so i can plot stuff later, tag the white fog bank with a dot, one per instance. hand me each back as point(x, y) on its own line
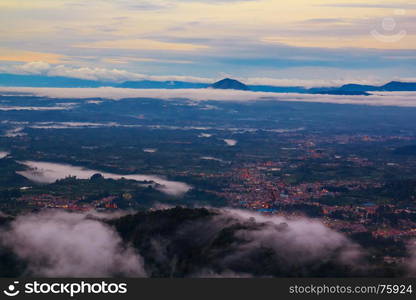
point(46, 172)
point(405, 99)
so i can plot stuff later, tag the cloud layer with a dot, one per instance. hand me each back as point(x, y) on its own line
point(60, 244)
point(184, 242)
point(90, 73)
point(287, 77)
point(209, 243)
point(404, 99)
point(205, 39)
point(299, 241)
point(45, 172)
point(234, 243)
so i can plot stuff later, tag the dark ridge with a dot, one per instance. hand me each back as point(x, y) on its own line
point(230, 84)
point(397, 86)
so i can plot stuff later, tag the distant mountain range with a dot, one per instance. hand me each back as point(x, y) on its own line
point(227, 83)
point(393, 86)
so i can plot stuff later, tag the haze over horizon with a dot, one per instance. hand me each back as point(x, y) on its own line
point(324, 43)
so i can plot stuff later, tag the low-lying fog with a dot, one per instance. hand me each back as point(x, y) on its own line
point(230, 142)
point(46, 172)
point(405, 99)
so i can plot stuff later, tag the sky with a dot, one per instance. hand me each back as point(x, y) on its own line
point(297, 42)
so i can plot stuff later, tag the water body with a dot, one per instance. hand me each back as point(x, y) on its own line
point(46, 172)
point(3, 154)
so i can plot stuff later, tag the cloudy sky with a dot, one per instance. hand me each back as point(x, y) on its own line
point(260, 41)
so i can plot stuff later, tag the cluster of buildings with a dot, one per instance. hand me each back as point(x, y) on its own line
point(255, 187)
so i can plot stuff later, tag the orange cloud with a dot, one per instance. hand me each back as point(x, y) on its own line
point(141, 44)
point(14, 55)
point(371, 41)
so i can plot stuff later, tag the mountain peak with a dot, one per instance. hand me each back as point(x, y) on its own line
point(398, 86)
point(230, 84)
